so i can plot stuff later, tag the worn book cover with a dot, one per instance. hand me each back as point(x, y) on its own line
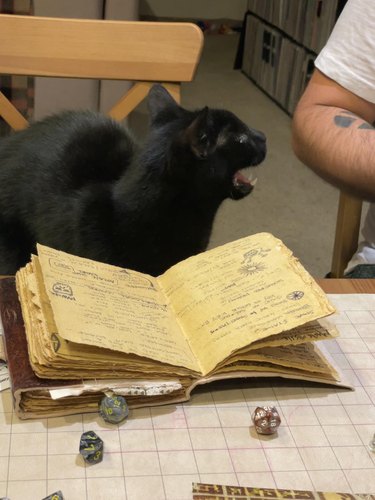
point(245, 309)
point(203, 491)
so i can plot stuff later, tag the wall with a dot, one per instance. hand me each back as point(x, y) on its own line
point(56, 94)
point(195, 9)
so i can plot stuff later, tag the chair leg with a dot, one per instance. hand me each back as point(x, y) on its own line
point(130, 100)
point(347, 232)
point(136, 94)
point(11, 115)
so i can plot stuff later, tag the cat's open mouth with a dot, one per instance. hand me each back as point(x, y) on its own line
point(243, 184)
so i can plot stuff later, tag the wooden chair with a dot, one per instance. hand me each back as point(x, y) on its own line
point(142, 52)
point(347, 232)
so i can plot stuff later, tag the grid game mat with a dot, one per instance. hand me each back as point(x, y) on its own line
point(322, 443)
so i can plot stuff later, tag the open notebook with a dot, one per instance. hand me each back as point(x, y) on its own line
point(245, 309)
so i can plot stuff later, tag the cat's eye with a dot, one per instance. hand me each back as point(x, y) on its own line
point(203, 137)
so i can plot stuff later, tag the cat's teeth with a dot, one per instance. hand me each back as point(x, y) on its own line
point(253, 181)
point(240, 178)
point(252, 178)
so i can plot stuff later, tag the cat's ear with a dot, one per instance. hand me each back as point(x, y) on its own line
point(197, 134)
point(160, 100)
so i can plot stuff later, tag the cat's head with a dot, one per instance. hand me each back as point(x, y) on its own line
point(208, 148)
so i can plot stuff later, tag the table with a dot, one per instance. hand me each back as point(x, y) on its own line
point(322, 443)
point(347, 285)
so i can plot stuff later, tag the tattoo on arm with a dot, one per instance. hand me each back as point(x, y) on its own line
point(346, 119)
point(366, 126)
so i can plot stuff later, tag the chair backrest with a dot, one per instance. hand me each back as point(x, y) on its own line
point(142, 52)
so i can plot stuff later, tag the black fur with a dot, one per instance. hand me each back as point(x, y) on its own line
point(77, 182)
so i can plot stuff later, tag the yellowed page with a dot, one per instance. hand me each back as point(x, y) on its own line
point(263, 368)
point(241, 292)
point(51, 356)
point(301, 356)
point(309, 332)
point(106, 306)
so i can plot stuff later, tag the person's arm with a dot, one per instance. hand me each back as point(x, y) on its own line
point(333, 135)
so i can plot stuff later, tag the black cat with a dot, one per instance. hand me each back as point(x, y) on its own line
point(77, 182)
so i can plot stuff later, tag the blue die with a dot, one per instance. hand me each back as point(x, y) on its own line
point(91, 447)
point(114, 409)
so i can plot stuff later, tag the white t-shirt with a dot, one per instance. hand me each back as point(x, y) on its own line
point(349, 59)
point(349, 55)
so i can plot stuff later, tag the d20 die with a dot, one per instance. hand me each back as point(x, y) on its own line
point(266, 419)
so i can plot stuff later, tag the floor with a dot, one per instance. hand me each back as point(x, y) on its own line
point(289, 200)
